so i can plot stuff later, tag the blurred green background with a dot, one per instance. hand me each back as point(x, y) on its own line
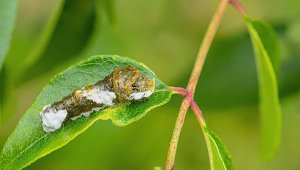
point(164, 35)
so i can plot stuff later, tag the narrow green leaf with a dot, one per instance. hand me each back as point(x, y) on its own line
point(8, 10)
point(29, 142)
point(18, 60)
point(72, 33)
point(63, 36)
point(270, 42)
point(268, 89)
point(45, 37)
point(107, 6)
point(219, 157)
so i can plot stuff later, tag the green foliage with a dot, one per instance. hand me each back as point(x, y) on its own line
point(268, 89)
point(8, 10)
point(29, 142)
point(19, 59)
point(218, 155)
point(69, 38)
point(107, 6)
point(231, 58)
point(270, 42)
point(78, 28)
point(49, 49)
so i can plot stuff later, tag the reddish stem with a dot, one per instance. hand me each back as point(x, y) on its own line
point(176, 133)
point(198, 113)
point(238, 6)
point(189, 92)
point(179, 90)
point(207, 40)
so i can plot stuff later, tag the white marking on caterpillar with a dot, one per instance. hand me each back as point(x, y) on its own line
point(86, 114)
point(122, 85)
point(99, 95)
point(51, 118)
point(140, 95)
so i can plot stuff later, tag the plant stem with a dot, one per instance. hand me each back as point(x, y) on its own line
point(179, 90)
point(201, 121)
point(198, 113)
point(176, 133)
point(238, 6)
point(206, 43)
point(188, 97)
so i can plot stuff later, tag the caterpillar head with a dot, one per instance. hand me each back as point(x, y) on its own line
point(129, 84)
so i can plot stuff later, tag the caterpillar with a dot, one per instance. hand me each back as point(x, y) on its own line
point(123, 85)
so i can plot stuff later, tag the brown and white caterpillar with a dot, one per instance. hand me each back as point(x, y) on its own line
point(122, 85)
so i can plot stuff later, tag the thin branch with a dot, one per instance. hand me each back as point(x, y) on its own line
point(187, 101)
point(176, 133)
point(201, 121)
point(206, 43)
point(198, 113)
point(238, 6)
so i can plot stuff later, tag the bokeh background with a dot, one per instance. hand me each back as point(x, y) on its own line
point(164, 35)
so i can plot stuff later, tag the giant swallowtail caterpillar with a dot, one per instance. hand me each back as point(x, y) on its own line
point(121, 86)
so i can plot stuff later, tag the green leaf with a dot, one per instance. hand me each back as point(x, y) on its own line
point(70, 37)
point(268, 89)
point(107, 6)
point(270, 42)
point(22, 55)
point(216, 92)
point(29, 142)
point(218, 155)
point(45, 36)
point(8, 10)
point(63, 36)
